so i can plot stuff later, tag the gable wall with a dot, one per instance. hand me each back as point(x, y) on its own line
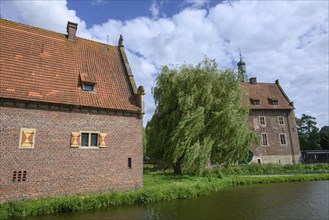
point(54, 168)
point(275, 152)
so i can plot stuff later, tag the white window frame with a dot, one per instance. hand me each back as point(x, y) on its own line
point(262, 140)
point(281, 117)
point(285, 139)
point(89, 139)
point(84, 87)
point(259, 118)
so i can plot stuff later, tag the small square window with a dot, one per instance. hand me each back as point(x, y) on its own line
point(262, 120)
point(89, 139)
point(88, 87)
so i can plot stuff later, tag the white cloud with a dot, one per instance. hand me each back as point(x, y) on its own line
point(50, 15)
point(154, 9)
point(196, 3)
point(279, 40)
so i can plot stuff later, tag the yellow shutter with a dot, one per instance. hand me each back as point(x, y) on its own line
point(27, 137)
point(75, 139)
point(102, 139)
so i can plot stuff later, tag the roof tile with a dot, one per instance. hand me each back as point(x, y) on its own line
point(41, 65)
point(263, 92)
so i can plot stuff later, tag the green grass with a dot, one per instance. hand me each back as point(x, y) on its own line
point(267, 169)
point(159, 186)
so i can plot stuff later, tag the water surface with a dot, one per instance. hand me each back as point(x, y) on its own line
point(300, 200)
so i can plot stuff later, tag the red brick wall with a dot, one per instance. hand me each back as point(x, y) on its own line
point(273, 129)
point(54, 168)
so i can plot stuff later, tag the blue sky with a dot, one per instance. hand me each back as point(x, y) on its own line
point(285, 40)
point(119, 10)
point(129, 9)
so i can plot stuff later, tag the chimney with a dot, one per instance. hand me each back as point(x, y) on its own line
point(253, 81)
point(71, 29)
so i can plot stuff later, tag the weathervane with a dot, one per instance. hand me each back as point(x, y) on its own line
point(240, 54)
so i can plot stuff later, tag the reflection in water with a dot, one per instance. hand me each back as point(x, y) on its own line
point(306, 200)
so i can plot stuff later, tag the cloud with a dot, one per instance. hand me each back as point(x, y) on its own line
point(278, 39)
point(196, 3)
point(98, 2)
point(154, 9)
point(38, 13)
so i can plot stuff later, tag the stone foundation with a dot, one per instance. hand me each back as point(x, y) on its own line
point(276, 159)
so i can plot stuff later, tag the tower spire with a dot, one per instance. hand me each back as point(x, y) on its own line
point(240, 55)
point(242, 74)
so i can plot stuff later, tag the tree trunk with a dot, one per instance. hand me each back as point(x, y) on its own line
point(178, 168)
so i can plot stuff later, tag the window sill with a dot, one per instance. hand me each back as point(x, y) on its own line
point(89, 147)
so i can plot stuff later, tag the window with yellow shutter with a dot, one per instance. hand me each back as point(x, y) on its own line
point(102, 139)
point(27, 137)
point(88, 140)
point(75, 139)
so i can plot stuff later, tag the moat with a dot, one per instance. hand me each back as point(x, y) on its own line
point(299, 200)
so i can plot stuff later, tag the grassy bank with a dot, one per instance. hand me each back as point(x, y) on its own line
point(158, 187)
point(268, 169)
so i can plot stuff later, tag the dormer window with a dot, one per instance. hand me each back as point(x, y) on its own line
point(88, 82)
point(88, 87)
point(273, 101)
point(255, 102)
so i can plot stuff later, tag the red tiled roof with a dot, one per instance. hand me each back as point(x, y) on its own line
point(265, 92)
point(41, 65)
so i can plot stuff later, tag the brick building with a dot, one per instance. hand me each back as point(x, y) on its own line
point(70, 115)
point(271, 117)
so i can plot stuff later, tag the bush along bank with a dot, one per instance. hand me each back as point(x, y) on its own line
point(158, 187)
point(269, 169)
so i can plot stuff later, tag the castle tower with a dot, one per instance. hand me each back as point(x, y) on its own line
point(242, 75)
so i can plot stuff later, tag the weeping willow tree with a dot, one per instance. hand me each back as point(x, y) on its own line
point(199, 118)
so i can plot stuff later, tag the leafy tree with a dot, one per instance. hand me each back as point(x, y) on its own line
point(308, 133)
point(324, 137)
point(144, 141)
point(199, 118)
